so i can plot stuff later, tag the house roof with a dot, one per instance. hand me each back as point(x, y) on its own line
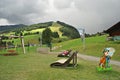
point(114, 28)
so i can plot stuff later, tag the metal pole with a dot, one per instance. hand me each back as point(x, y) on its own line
point(83, 39)
point(82, 35)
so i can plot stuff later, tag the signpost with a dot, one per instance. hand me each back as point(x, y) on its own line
point(82, 35)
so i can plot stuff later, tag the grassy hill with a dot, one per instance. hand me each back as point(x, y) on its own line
point(60, 27)
point(93, 46)
point(33, 32)
point(34, 38)
point(56, 28)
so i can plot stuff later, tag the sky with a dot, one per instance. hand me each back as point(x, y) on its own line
point(91, 15)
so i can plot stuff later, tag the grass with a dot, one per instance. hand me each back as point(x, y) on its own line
point(36, 66)
point(37, 30)
point(93, 46)
point(55, 28)
point(35, 38)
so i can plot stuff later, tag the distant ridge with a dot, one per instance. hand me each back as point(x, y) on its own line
point(7, 28)
point(20, 27)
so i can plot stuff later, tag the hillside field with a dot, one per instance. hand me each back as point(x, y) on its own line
point(93, 46)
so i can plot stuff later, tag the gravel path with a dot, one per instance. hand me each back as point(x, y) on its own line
point(92, 58)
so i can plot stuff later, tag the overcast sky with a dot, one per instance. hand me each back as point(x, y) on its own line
point(92, 15)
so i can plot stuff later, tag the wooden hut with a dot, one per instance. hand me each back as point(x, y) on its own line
point(114, 32)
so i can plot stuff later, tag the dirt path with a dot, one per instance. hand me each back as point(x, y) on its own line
point(92, 58)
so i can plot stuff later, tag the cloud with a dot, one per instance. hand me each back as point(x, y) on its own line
point(22, 11)
point(4, 22)
point(93, 15)
point(99, 14)
point(62, 4)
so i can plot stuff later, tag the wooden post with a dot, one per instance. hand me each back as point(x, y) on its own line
point(22, 42)
point(41, 39)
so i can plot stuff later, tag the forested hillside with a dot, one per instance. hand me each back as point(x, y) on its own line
point(68, 30)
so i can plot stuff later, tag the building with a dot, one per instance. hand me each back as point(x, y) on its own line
point(114, 32)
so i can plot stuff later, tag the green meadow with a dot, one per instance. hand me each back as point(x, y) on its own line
point(36, 66)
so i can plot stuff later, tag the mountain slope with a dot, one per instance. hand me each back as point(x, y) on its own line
point(68, 30)
point(8, 28)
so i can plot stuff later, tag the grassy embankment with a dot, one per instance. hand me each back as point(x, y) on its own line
point(93, 46)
